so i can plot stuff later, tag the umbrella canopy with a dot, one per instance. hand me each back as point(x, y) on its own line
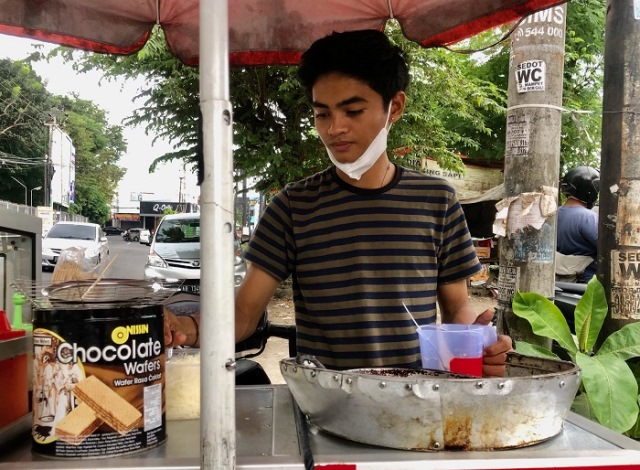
point(237, 32)
point(260, 31)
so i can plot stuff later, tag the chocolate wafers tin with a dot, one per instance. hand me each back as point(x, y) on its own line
point(99, 378)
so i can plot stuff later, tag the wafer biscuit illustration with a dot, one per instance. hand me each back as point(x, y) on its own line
point(114, 410)
point(78, 425)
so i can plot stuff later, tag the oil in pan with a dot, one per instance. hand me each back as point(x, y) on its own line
point(99, 373)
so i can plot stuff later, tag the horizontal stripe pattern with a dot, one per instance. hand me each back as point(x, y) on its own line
point(356, 255)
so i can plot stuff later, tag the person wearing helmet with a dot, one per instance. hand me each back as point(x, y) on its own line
point(577, 247)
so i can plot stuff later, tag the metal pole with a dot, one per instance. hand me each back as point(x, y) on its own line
point(32, 190)
point(25, 189)
point(217, 329)
point(534, 119)
point(619, 237)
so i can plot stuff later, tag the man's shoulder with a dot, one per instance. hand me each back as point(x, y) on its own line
point(311, 182)
point(430, 182)
point(577, 212)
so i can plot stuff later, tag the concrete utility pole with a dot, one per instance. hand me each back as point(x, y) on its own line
point(534, 120)
point(619, 239)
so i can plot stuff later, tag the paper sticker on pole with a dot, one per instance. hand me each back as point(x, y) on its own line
point(627, 214)
point(625, 284)
point(530, 76)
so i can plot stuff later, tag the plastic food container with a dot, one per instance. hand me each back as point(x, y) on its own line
point(183, 385)
point(455, 348)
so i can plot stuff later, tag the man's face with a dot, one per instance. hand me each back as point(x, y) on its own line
point(348, 115)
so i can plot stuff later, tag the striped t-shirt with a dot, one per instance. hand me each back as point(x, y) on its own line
point(355, 255)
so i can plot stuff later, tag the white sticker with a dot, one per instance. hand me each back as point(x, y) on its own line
point(518, 130)
point(636, 9)
point(152, 407)
point(530, 76)
point(508, 279)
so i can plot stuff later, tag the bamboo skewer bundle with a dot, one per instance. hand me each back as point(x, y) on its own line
point(68, 271)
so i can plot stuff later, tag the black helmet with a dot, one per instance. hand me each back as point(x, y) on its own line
point(582, 183)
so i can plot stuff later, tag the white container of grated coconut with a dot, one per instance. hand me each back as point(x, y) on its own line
point(183, 385)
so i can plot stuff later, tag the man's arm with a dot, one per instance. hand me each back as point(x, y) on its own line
point(453, 299)
point(252, 299)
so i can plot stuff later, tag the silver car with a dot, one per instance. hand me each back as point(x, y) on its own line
point(63, 235)
point(175, 253)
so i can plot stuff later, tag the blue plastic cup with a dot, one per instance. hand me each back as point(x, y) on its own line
point(455, 348)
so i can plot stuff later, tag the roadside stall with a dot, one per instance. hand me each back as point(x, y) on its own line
point(259, 427)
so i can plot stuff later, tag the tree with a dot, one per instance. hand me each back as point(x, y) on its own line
point(98, 147)
point(456, 103)
point(582, 89)
point(25, 109)
point(273, 133)
point(583, 82)
point(24, 106)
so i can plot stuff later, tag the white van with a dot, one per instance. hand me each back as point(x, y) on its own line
point(63, 235)
point(175, 253)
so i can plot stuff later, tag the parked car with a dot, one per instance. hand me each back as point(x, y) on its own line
point(64, 235)
point(111, 230)
point(175, 253)
point(145, 237)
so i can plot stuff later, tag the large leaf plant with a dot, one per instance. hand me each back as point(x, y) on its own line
point(609, 390)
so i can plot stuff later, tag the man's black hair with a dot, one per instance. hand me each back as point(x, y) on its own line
point(365, 55)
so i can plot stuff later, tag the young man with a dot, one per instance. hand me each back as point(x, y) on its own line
point(365, 236)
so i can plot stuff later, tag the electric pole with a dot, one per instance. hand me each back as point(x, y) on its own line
point(534, 120)
point(619, 228)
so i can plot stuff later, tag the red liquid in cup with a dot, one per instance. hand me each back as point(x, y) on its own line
point(466, 365)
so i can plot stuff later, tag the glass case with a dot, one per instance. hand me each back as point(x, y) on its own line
point(20, 252)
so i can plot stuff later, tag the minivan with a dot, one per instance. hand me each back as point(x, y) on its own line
point(175, 253)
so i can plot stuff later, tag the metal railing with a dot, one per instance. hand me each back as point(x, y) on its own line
point(57, 215)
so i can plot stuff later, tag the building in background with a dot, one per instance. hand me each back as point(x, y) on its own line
point(62, 156)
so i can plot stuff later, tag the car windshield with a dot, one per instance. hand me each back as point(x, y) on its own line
point(76, 232)
point(178, 231)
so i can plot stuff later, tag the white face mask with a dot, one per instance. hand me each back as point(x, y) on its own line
point(370, 156)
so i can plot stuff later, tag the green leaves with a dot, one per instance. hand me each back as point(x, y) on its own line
point(612, 390)
point(533, 350)
point(610, 386)
point(590, 314)
point(545, 319)
point(624, 343)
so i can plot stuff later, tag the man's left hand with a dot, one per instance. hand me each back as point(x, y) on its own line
point(494, 356)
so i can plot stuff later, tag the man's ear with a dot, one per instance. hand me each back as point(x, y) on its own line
point(397, 105)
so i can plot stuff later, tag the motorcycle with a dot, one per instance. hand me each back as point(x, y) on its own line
point(567, 296)
point(248, 371)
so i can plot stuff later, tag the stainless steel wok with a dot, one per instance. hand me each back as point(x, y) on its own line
point(418, 409)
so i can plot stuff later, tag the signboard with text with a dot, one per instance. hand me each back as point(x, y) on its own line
point(158, 207)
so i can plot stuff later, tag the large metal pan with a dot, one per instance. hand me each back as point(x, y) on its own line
point(417, 409)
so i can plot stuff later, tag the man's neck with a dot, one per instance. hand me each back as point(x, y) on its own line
point(380, 174)
point(571, 201)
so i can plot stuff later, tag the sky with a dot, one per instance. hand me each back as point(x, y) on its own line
point(116, 98)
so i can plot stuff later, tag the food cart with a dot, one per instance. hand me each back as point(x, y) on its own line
point(267, 438)
point(255, 427)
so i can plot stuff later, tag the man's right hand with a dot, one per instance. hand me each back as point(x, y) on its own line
point(174, 334)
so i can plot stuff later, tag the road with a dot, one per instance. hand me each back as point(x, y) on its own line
point(129, 261)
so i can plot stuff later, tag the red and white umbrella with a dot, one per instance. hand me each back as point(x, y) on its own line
point(260, 31)
point(237, 32)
